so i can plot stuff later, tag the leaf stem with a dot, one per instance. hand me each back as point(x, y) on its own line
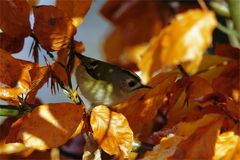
point(234, 8)
point(10, 111)
point(180, 67)
point(220, 7)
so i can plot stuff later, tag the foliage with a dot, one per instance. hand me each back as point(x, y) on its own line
point(191, 112)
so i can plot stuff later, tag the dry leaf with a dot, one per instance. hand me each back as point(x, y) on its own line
point(52, 27)
point(14, 18)
point(228, 82)
point(131, 29)
point(112, 132)
point(227, 146)
point(184, 40)
point(51, 125)
point(11, 44)
point(138, 108)
point(75, 9)
point(176, 143)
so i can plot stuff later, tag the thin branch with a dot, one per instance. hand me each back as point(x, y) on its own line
point(180, 67)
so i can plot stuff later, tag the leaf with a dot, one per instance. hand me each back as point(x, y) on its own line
point(112, 132)
point(226, 50)
point(13, 68)
point(183, 41)
point(11, 44)
point(14, 18)
point(148, 102)
point(227, 146)
point(198, 88)
point(228, 82)
point(50, 125)
point(190, 141)
point(52, 27)
point(23, 77)
point(131, 30)
point(75, 9)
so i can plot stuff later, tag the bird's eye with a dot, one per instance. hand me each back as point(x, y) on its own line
point(131, 83)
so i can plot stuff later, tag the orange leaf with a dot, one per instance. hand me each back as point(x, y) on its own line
point(131, 29)
point(75, 9)
point(148, 102)
point(52, 27)
point(10, 69)
point(11, 44)
point(23, 77)
point(184, 40)
point(50, 125)
point(189, 140)
point(198, 88)
point(228, 82)
point(112, 132)
point(14, 18)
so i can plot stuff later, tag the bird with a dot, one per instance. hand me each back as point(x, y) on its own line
point(102, 83)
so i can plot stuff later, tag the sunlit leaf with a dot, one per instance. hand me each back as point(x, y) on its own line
point(23, 77)
point(190, 141)
point(50, 125)
point(75, 9)
point(52, 28)
point(227, 146)
point(131, 29)
point(14, 18)
point(183, 41)
point(112, 132)
point(148, 102)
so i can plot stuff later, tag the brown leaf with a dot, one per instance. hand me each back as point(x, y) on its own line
point(112, 132)
point(10, 69)
point(47, 126)
point(183, 41)
point(5, 127)
point(148, 102)
point(190, 141)
point(198, 88)
point(23, 77)
point(200, 144)
point(75, 9)
point(14, 18)
point(131, 29)
point(226, 50)
point(52, 27)
point(228, 82)
point(11, 44)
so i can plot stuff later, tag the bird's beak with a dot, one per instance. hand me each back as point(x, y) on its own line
point(145, 86)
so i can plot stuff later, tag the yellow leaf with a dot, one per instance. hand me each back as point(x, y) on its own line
point(75, 9)
point(183, 41)
point(50, 125)
point(112, 132)
point(226, 146)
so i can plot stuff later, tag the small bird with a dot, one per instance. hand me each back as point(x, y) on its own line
point(102, 83)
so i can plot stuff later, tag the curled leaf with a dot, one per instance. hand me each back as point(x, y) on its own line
point(112, 132)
